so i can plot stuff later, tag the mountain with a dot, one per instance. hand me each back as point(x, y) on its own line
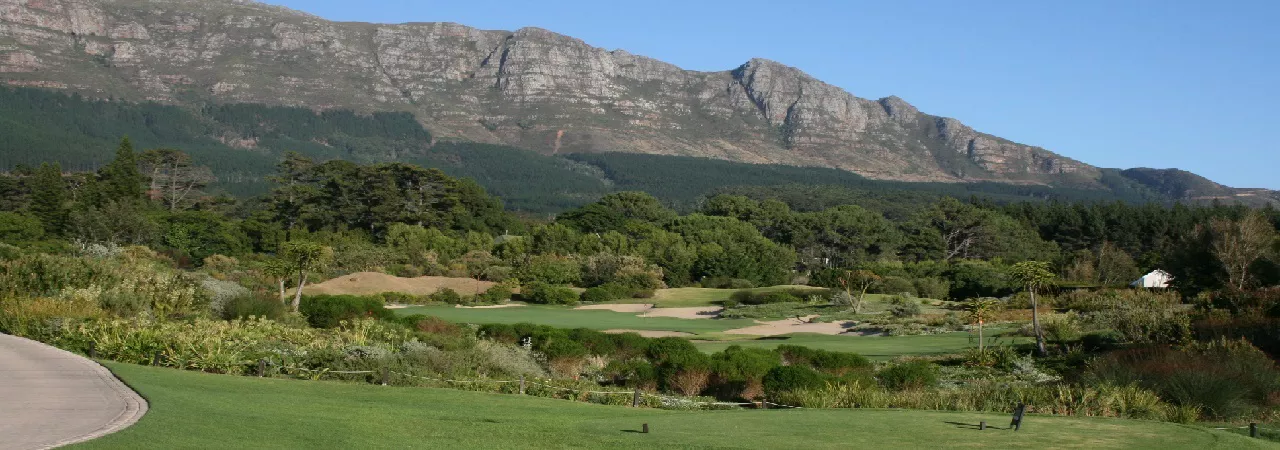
point(530, 88)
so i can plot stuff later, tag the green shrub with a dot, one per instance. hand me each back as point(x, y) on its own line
point(432, 325)
point(834, 363)
point(1226, 379)
point(328, 311)
point(896, 286)
point(496, 294)
point(935, 288)
point(749, 297)
point(499, 332)
point(596, 343)
point(903, 307)
point(245, 306)
point(399, 298)
point(596, 295)
point(727, 283)
point(546, 294)
point(791, 378)
point(911, 375)
point(446, 296)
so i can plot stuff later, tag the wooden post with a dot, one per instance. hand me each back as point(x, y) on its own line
point(982, 425)
point(93, 349)
point(386, 375)
point(521, 384)
point(635, 400)
point(155, 359)
point(1253, 429)
point(764, 403)
point(262, 367)
point(644, 428)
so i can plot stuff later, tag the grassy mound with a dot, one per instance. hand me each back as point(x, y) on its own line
point(194, 410)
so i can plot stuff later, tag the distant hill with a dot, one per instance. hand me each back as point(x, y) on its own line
point(530, 88)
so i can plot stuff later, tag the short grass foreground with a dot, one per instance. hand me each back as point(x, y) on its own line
point(195, 410)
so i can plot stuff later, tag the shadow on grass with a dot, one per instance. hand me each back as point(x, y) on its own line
point(973, 426)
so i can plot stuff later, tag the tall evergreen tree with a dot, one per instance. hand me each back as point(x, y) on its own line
point(49, 197)
point(121, 179)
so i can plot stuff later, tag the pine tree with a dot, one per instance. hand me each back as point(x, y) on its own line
point(49, 197)
point(121, 179)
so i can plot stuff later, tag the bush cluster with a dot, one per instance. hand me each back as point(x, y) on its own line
point(329, 311)
point(546, 294)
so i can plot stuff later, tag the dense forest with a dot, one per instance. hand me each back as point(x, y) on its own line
point(240, 143)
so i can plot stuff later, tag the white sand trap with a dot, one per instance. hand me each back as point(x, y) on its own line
point(621, 307)
point(697, 312)
point(788, 326)
point(651, 333)
point(504, 305)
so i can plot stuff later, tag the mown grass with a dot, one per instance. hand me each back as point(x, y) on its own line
point(196, 410)
point(566, 317)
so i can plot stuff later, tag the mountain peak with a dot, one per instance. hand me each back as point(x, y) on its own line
point(532, 88)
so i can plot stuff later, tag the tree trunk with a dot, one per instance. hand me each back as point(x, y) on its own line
point(982, 350)
point(282, 294)
point(1035, 324)
point(297, 296)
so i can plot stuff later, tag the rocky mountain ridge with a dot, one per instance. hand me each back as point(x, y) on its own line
point(531, 88)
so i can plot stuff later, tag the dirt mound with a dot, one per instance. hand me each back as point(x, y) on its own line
point(370, 283)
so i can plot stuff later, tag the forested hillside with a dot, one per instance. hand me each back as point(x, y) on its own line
point(241, 143)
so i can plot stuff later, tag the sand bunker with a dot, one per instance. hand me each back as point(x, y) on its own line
point(788, 326)
point(704, 312)
point(370, 283)
point(651, 333)
point(504, 305)
point(622, 307)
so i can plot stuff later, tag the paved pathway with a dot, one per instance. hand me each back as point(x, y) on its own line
point(50, 397)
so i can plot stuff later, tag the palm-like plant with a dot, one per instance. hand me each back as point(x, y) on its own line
point(979, 311)
point(1033, 276)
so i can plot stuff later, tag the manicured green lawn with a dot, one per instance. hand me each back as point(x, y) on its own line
point(565, 317)
point(874, 347)
point(195, 410)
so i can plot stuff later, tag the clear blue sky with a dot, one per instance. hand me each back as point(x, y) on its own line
point(1157, 83)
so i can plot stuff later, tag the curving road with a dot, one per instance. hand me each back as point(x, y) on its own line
point(50, 397)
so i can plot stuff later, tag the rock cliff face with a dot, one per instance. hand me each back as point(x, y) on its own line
point(530, 88)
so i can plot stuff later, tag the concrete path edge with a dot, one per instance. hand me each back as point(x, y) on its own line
point(135, 405)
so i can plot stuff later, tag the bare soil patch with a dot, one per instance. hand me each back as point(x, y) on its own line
point(651, 333)
point(370, 283)
point(788, 326)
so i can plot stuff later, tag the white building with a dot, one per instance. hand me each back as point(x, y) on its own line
point(1156, 279)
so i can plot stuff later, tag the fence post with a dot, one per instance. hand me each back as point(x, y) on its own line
point(262, 367)
point(521, 384)
point(93, 349)
point(635, 399)
point(1253, 429)
point(982, 425)
point(155, 359)
point(386, 375)
point(764, 403)
point(644, 428)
